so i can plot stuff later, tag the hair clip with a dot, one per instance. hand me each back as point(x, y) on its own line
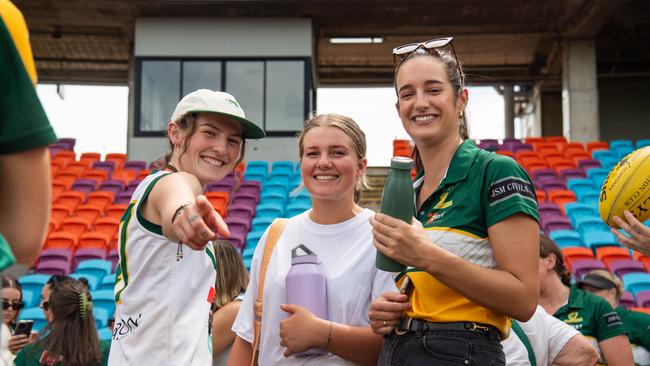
point(85, 305)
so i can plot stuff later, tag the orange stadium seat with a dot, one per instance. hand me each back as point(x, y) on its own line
point(60, 212)
point(523, 156)
point(577, 156)
point(71, 199)
point(541, 195)
point(107, 224)
point(597, 145)
point(55, 166)
point(219, 201)
point(545, 147)
point(143, 173)
point(117, 158)
point(68, 175)
point(502, 152)
point(571, 254)
point(94, 239)
point(62, 240)
point(116, 210)
point(66, 156)
point(58, 187)
point(79, 166)
point(533, 165)
point(100, 198)
point(90, 157)
point(76, 224)
point(608, 254)
point(550, 154)
point(556, 139)
point(573, 146)
point(124, 175)
point(96, 174)
point(532, 140)
point(641, 310)
point(561, 163)
point(90, 211)
point(561, 197)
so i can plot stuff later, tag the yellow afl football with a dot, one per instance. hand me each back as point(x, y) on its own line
point(627, 187)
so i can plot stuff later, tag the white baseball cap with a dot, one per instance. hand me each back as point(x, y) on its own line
point(224, 104)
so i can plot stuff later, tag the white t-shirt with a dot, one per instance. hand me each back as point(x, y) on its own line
point(547, 336)
point(163, 301)
point(347, 257)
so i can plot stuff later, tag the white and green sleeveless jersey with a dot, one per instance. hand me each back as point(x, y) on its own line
point(163, 300)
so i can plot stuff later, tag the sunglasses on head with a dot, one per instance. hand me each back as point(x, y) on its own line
point(15, 305)
point(405, 50)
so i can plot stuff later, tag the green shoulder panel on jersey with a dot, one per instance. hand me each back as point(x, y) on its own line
point(122, 275)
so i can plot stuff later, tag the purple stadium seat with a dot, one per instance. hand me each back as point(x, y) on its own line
point(53, 267)
point(238, 224)
point(246, 197)
point(133, 185)
point(83, 254)
point(241, 210)
point(56, 254)
point(84, 185)
point(549, 209)
point(589, 164)
point(643, 299)
point(551, 184)
point(627, 300)
point(625, 266)
point(55, 149)
point(556, 223)
point(123, 197)
point(218, 187)
point(581, 267)
point(115, 186)
point(137, 165)
point(250, 186)
point(544, 174)
point(68, 142)
point(108, 166)
point(566, 174)
point(238, 240)
point(491, 146)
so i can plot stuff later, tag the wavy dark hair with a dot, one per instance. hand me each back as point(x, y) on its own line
point(9, 281)
point(547, 247)
point(69, 335)
point(456, 78)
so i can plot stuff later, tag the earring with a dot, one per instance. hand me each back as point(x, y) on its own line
point(461, 115)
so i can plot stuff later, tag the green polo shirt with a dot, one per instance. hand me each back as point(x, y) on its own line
point(480, 189)
point(591, 315)
point(637, 325)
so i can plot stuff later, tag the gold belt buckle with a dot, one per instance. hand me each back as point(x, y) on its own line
point(408, 327)
point(479, 327)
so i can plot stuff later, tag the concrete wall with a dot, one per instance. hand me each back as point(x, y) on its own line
point(218, 37)
point(624, 108)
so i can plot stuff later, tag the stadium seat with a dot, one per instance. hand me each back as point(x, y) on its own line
point(610, 254)
point(273, 197)
point(275, 187)
point(100, 198)
point(575, 210)
point(604, 154)
point(302, 197)
point(116, 210)
point(627, 300)
point(60, 212)
point(598, 238)
point(551, 184)
point(580, 184)
point(219, 201)
point(71, 199)
point(635, 282)
point(283, 166)
point(561, 197)
point(548, 209)
point(552, 223)
point(105, 334)
point(587, 164)
point(642, 299)
point(90, 157)
point(53, 267)
point(117, 158)
point(62, 239)
point(589, 224)
point(246, 198)
point(541, 195)
point(96, 174)
point(252, 239)
point(622, 267)
point(241, 211)
point(589, 197)
point(76, 224)
point(642, 143)
point(34, 283)
point(114, 257)
point(101, 317)
point(68, 142)
point(95, 240)
point(124, 175)
point(261, 223)
point(253, 187)
point(238, 224)
point(56, 254)
point(104, 299)
point(84, 185)
point(135, 165)
point(219, 187)
point(269, 210)
point(36, 314)
point(115, 186)
point(123, 197)
point(95, 267)
point(89, 211)
point(597, 145)
point(108, 282)
point(281, 179)
point(575, 253)
point(581, 267)
point(566, 238)
point(92, 281)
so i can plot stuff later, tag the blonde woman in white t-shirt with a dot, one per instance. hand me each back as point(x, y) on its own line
point(332, 161)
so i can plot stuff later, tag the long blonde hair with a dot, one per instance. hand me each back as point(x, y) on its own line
point(232, 276)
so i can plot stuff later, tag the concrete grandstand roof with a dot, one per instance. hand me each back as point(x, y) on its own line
point(81, 41)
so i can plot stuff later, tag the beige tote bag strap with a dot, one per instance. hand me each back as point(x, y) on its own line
point(277, 226)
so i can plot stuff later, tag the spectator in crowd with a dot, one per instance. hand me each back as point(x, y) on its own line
point(332, 150)
point(591, 315)
point(232, 279)
point(12, 303)
point(546, 340)
point(638, 237)
point(608, 286)
point(164, 244)
point(70, 338)
point(47, 291)
point(475, 238)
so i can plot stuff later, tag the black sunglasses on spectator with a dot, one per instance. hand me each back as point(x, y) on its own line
point(46, 305)
point(15, 305)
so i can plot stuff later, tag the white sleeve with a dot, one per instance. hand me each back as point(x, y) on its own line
point(245, 320)
point(559, 333)
point(515, 351)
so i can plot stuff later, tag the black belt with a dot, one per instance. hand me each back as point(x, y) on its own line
point(418, 325)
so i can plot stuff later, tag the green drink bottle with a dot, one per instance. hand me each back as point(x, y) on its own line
point(397, 201)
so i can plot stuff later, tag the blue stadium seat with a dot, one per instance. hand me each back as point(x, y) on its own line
point(95, 267)
point(621, 147)
point(101, 317)
point(257, 176)
point(273, 197)
point(282, 178)
point(275, 187)
point(589, 197)
point(108, 282)
point(260, 223)
point(598, 176)
point(104, 299)
point(92, 281)
point(247, 263)
point(29, 298)
point(105, 334)
point(575, 210)
point(566, 238)
point(269, 210)
point(599, 238)
point(36, 314)
point(33, 283)
point(623, 151)
point(261, 165)
point(642, 143)
point(296, 208)
point(580, 185)
point(635, 282)
point(253, 238)
point(585, 224)
point(281, 166)
point(295, 182)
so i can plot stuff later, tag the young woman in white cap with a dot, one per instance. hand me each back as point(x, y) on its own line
point(166, 274)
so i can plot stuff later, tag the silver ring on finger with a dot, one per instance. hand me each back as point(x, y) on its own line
point(385, 323)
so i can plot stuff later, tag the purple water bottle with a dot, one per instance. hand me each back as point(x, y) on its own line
point(307, 287)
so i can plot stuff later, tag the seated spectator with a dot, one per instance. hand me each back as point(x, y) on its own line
point(546, 340)
point(232, 279)
point(70, 338)
point(47, 290)
point(610, 287)
point(12, 303)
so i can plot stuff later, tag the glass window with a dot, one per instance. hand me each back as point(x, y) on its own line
point(285, 95)
point(201, 75)
point(245, 81)
point(160, 81)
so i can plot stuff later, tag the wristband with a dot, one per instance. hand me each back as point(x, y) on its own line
point(178, 211)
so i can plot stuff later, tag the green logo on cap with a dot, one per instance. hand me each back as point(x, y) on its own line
point(233, 102)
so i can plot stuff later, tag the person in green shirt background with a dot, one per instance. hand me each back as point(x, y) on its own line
point(71, 336)
point(589, 314)
point(610, 287)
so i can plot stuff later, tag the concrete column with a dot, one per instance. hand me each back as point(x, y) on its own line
point(509, 110)
point(580, 91)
